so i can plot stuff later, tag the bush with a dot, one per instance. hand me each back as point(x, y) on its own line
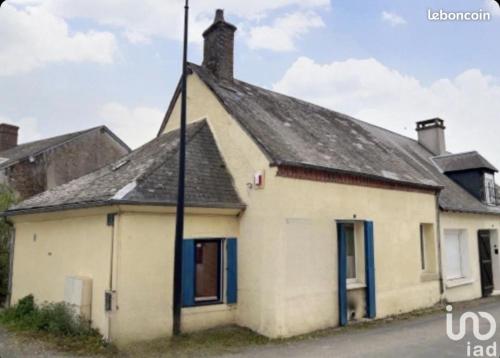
point(55, 318)
point(25, 307)
point(60, 319)
point(57, 324)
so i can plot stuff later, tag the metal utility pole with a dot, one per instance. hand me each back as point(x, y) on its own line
point(179, 225)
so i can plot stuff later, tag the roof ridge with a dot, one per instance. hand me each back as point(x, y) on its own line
point(30, 149)
point(456, 154)
point(57, 136)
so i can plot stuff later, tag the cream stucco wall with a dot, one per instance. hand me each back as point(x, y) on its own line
point(78, 243)
point(308, 269)
point(48, 248)
point(469, 287)
point(144, 274)
point(287, 251)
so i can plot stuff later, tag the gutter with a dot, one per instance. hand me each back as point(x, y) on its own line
point(439, 248)
point(96, 204)
point(473, 212)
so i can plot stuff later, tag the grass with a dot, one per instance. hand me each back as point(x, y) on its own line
point(200, 344)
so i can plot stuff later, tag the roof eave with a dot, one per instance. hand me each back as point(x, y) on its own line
point(466, 211)
point(97, 204)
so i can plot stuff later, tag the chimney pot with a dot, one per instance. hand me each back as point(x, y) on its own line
point(219, 47)
point(8, 136)
point(219, 16)
point(431, 135)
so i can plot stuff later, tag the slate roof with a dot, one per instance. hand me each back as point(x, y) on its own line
point(463, 161)
point(148, 176)
point(297, 133)
point(294, 132)
point(32, 149)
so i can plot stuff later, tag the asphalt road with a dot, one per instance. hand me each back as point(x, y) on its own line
point(420, 337)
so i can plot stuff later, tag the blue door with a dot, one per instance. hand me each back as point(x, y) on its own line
point(369, 271)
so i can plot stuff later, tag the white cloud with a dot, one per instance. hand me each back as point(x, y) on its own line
point(493, 7)
point(281, 36)
point(33, 37)
point(135, 126)
point(136, 37)
point(368, 90)
point(392, 18)
point(28, 128)
point(165, 18)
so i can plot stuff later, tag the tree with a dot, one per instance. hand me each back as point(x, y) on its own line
point(7, 198)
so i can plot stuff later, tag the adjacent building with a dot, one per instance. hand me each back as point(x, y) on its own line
point(298, 218)
point(31, 168)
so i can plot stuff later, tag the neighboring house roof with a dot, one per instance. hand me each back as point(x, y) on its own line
point(292, 132)
point(148, 176)
point(32, 149)
point(463, 161)
point(453, 197)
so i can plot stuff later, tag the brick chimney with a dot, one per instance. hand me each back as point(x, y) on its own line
point(431, 135)
point(8, 136)
point(219, 47)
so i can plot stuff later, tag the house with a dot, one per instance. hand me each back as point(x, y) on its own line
point(298, 218)
point(31, 168)
point(469, 218)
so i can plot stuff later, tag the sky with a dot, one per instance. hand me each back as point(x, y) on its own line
point(67, 65)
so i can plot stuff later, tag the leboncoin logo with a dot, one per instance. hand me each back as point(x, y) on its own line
point(474, 319)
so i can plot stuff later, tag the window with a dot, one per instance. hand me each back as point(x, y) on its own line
point(489, 189)
point(351, 252)
point(208, 271)
point(456, 254)
point(428, 251)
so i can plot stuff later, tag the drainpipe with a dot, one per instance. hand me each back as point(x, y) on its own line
point(112, 222)
point(440, 260)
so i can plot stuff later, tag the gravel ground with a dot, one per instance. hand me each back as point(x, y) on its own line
point(16, 346)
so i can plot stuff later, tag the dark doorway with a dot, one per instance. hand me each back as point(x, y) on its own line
point(485, 263)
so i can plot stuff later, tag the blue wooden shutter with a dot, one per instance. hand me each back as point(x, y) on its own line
point(188, 273)
point(342, 257)
point(371, 307)
point(232, 271)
